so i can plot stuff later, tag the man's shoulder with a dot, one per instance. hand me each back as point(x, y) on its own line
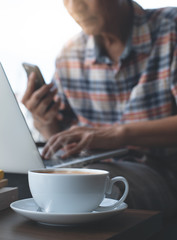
point(162, 21)
point(159, 14)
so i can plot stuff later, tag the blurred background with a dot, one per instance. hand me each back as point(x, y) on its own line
point(34, 31)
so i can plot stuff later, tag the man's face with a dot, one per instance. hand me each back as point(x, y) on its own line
point(94, 16)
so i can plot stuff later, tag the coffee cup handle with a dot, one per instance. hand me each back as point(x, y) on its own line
point(109, 190)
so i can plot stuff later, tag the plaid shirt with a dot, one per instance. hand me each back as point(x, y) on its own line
point(141, 87)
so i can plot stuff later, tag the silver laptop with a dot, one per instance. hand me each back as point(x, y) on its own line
point(18, 151)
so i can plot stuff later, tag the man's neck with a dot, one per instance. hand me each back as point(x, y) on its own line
point(115, 40)
point(113, 46)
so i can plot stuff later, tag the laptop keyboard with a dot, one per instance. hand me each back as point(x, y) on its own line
point(84, 158)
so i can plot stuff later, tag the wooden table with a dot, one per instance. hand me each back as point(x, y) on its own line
point(131, 224)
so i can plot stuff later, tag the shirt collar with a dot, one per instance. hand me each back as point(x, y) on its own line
point(139, 40)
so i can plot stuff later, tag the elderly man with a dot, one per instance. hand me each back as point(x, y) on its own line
point(117, 85)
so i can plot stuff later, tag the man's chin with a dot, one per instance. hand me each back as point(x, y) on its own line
point(90, 30)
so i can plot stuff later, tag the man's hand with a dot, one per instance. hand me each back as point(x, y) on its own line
point(157, 133)
point(43, 105)
point(78, 138)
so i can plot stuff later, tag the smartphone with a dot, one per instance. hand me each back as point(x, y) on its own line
point(34, 68)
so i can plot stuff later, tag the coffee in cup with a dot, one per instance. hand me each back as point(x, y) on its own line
point(72, 190)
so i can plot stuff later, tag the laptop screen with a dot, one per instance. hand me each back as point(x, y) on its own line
point(18, 152)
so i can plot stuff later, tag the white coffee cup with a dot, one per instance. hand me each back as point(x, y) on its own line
point(72, 190)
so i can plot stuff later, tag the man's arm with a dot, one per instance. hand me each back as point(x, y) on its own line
point(155, 133)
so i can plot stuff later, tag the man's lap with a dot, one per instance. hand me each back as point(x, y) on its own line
point(147, 188)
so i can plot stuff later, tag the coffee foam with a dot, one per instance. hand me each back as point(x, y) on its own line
point(68, 172)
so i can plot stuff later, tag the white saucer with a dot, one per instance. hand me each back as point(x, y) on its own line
point(29, 209)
